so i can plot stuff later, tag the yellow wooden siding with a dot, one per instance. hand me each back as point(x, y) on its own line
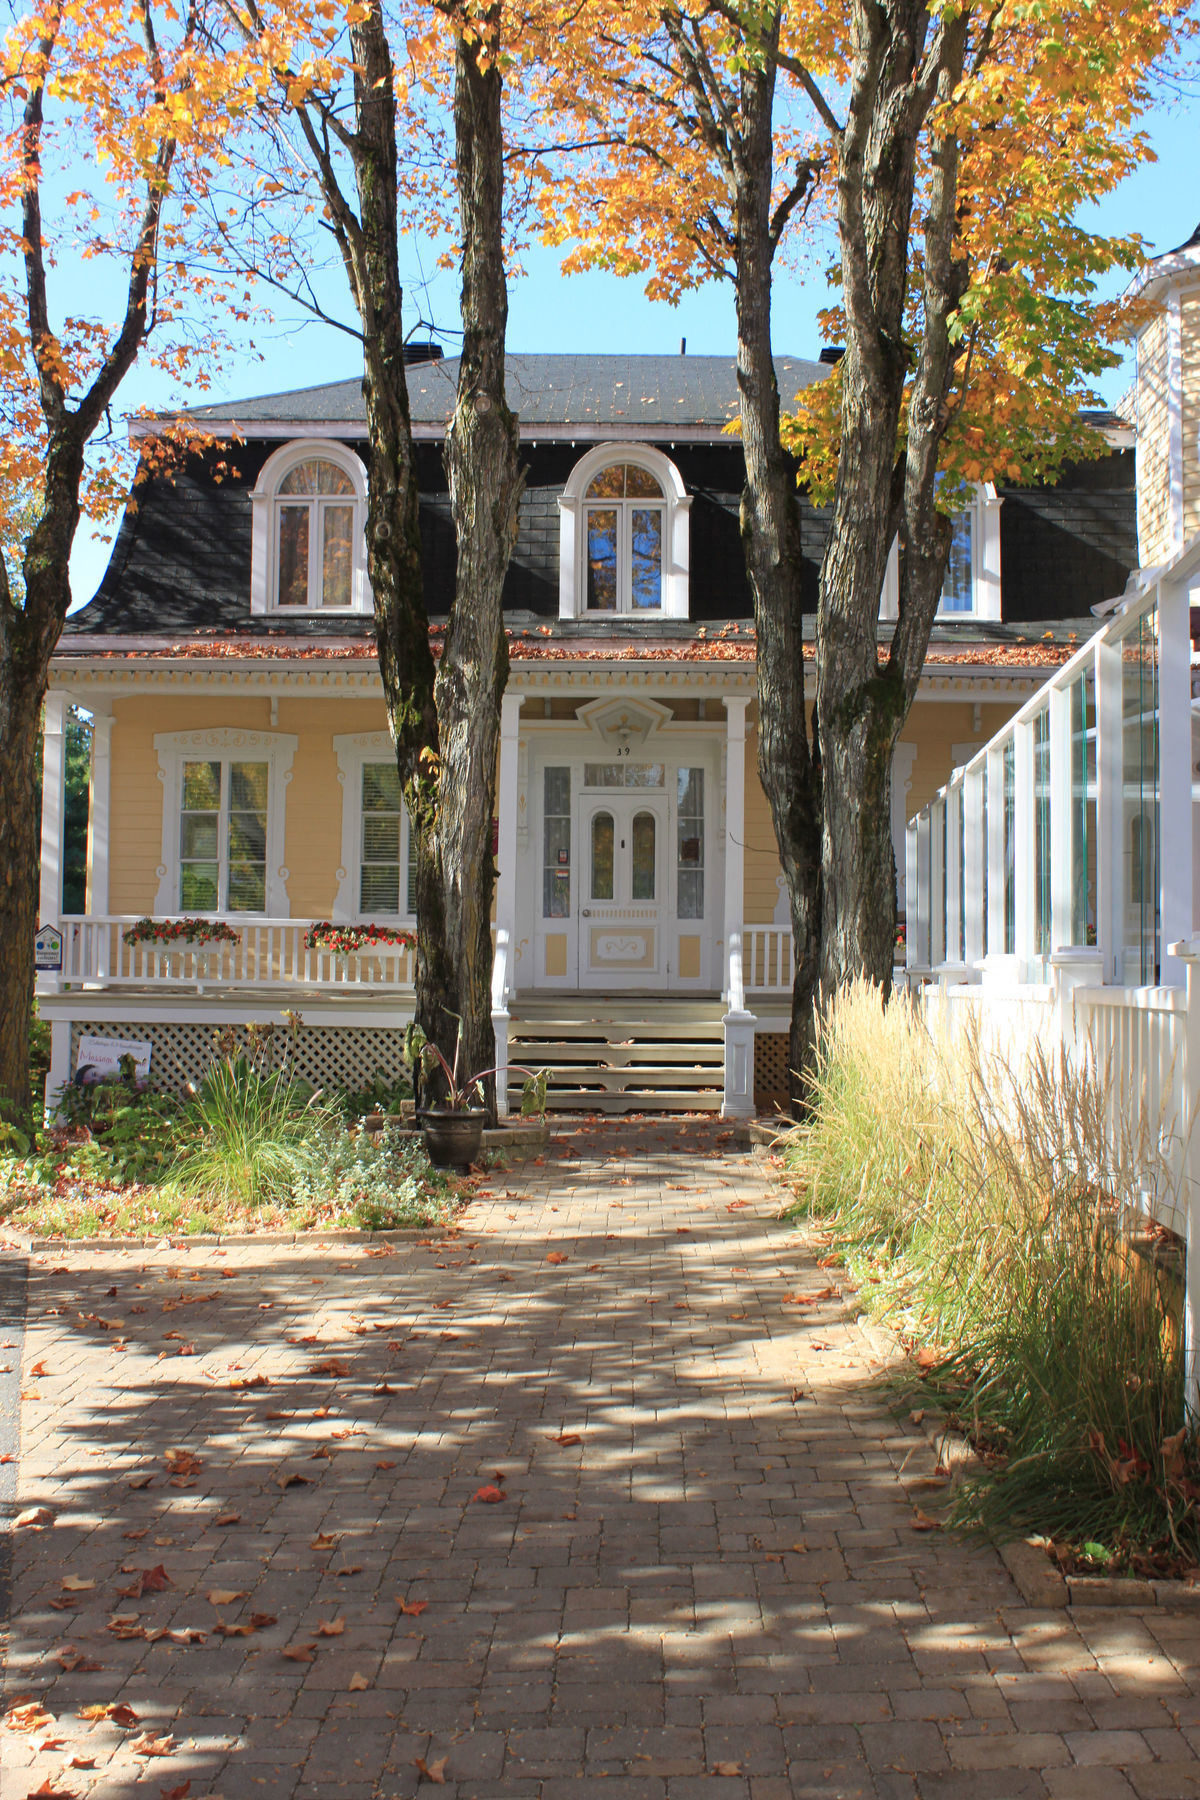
point(1153, 450)
point(1190, 345)
point(312, 848)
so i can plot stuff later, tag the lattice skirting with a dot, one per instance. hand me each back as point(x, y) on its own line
point(770, 1070)
point(326, 1055)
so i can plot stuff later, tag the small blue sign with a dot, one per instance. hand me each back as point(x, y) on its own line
point(47, 949)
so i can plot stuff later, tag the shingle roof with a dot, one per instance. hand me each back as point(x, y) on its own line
point(546, 391)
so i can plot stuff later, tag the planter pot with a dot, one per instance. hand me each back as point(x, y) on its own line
point(452, 1138)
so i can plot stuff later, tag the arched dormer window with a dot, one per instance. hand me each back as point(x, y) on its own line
point(623, 537)
point(309, 510)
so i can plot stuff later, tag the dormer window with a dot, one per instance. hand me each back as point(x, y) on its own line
point(625, 511)
point(971, 589)
point(316, 536)
point(623, 539)
point(309, 511)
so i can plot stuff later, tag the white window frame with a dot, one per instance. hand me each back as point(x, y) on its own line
point(224, 744)
point(984, 509)
point(265, 503)
point(353, 751)
point(572, 540)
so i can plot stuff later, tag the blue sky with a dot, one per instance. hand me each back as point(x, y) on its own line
point(551, 312)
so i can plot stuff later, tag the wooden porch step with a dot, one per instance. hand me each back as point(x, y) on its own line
point(621, 1054)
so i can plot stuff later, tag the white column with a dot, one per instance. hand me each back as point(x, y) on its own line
point(954, 851)
point(739, 1024)
point(59, 1072)
point(912, 893)
point(1187, 953)
point(1174, 774)
point(1062, 859)
point(903, 758)
point(1109, 813)
point(1024, 872)
point(995, 853)
point(921, 909)
point(54, 780)
point(506, 887)
point(975, 858)
point(99, 793)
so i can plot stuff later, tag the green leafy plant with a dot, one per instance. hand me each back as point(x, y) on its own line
point(461, 1092)
point(173, 931)
point(249, 1135)
point(382, 1183)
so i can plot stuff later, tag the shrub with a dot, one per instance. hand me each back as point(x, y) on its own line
point(991, 1216)
point(383, 1183)
point(249, 1136)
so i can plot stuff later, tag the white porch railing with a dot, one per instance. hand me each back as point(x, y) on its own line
point(1051, 892)
point(269, 953)
point(767, 962)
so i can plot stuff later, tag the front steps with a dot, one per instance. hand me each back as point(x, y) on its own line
point(615, 1055)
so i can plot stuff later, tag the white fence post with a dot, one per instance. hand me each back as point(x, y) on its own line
point(1188, 953)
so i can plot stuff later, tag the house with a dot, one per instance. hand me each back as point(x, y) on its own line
point(242, 770)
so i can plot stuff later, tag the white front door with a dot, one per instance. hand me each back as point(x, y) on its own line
point(622, 936)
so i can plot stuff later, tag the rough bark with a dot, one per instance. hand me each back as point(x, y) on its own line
point(903, 61)
point(484, 469)
point(770, 523)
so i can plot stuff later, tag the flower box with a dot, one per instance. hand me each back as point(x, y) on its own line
point(181, 934)
point(353, 940)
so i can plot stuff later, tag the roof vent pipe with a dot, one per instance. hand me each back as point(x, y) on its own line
point(422, 353)
point(832, 354)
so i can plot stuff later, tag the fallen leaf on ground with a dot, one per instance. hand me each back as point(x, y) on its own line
point(120, 1712)
point(358, 1683)
point(385, 1465)
point(64, 1603)
point(36, 1516)
point(256, 1622)
point(383, 1388)
point(325, 1540)
point(432, 1771)
point(140, 1481)
point(556, 1256)
point(348, 1569)
point(489, 1494)
point(181, 1461)
point(922, 1522)
point(250, 1381)
point(726, 1768)
point(292, 1478)
point(413, 1608)
point(224, 1596)
point(228, 1519)
point(79, 1761)
point(569, 1437)
point(300, 1653)
point(76, 1584)
point(152, 1743)
point(37, 1370)
point(331, 1627)
point(332, 1366)
point(69, 1658)
point(28, 1715)
point(147, 1581)
point(321, 1454)
point(50, 1790)
point(181, 1790)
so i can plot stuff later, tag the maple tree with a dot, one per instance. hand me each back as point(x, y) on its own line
point(953, 148)
point(127, 100)
point(345, 117)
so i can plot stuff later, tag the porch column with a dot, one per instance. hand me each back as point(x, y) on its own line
point(54, 778)
point(506, 889)
point(739, 1024)
point(1174, 774)
point(99, 790)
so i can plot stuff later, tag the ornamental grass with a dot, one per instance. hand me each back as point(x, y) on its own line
point(996, 1222)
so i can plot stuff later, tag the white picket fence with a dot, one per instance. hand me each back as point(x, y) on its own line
point(268, 954)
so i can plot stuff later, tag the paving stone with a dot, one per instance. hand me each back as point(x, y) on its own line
point(634, 1620)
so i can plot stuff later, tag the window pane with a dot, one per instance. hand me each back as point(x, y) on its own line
point(689, 826)
point(647, 558)
point(247, 887)
point(644, 836)
point(603, 775)
point(602, 856)
point(201, 786)
point(381, 889)
point(293, 555)
point(381, 787)
point(198, 836)
point(337, 568)
point(1010, 846)
point(609, 484)
point(640, 484)
point(248, 787)
point(1139, 749)
point(556, 843)
point(247, 838)
point(644, 775)
point(198, 887)
point(958, 591)
point(602, 559)
point(316, 477)
point(381, 839)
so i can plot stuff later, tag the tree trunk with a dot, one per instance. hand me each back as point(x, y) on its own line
point(770, 522)
point(863, 700)
point(19, 839)
point(483, 464)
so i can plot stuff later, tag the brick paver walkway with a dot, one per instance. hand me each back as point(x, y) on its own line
point(701, 1580)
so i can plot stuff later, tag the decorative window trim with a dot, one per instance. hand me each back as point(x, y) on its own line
point(985, 563)
point(264, 539)
point(276, 749)
point(353, 750)
point(572, 585)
